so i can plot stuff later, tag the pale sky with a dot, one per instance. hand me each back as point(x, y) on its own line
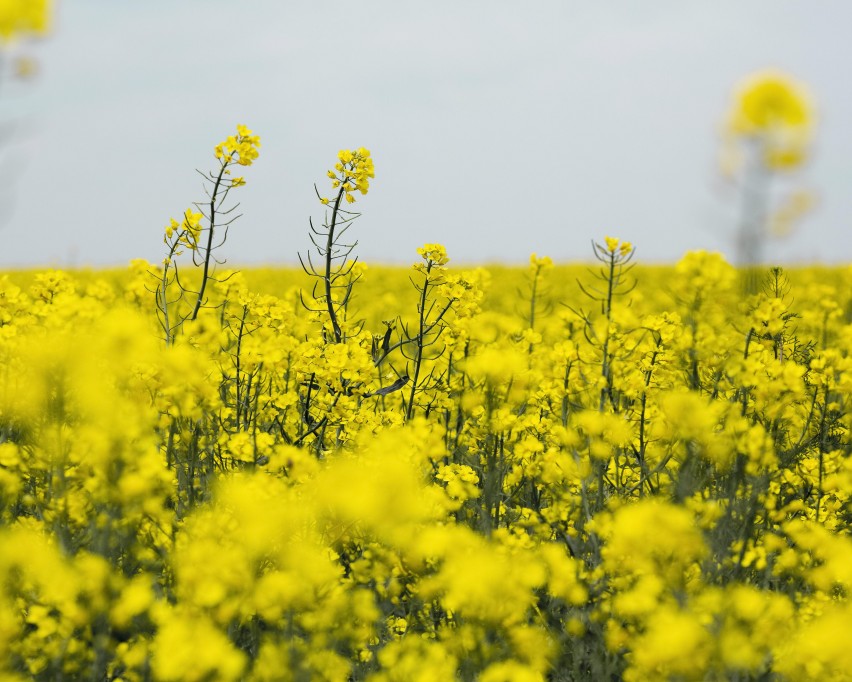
point(498, 128)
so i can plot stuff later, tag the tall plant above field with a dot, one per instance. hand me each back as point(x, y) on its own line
point(406, 354)
point(336, 273)
point(768, 132)
point(201, 232)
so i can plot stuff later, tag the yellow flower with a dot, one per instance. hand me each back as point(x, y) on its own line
point(192, 648)
point(192, 223)
point(171, 227)
point(611, 243)
point(775, 108)
point(23, 17)
point(544, 263)
point(437, 253)
point(768, 99)
point(352, 172)
point(241, 149)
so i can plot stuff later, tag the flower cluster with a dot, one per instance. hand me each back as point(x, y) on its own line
point(776, 111)
point(24, 17)
point(186, 232)
point(434, 254)
point(615, 246)
point(351, 173)
point(241, 148)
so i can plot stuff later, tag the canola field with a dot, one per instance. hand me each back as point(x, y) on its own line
point(602, 472)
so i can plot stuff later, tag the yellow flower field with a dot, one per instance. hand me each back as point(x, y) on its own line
point(347, 472)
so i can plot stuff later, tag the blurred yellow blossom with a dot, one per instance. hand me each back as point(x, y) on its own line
point(773, 108)
point(19, 18)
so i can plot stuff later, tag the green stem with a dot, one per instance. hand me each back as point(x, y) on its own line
point(164, 304)
point(209, 249)
point(418, 361)
point(605, 368)
point(338, 334)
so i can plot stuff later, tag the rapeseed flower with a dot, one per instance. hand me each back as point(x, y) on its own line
point(351, 173)
point(21, 18)
point(773, 109)
point(242, 148)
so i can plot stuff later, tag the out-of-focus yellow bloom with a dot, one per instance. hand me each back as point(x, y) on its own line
point(773, 108)
point(791, 211)
point(25, 67)
point(192, 648)
point(20, 18)
point(768, 99)
point(674, 645)
point(136, 597)
point(543, 262)
point(820, 649)
point(655, 538)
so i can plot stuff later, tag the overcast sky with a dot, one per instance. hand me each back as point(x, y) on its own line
point(498, 128)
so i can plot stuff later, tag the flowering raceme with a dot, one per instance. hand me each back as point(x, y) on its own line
point(188, 231)
point(351, 173)
point(775, 110)
point(615, 245)
point(241, 148)
point(20, 18)
point(436, 254)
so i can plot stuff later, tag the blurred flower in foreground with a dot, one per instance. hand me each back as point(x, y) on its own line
point(20, 18)
point(776, 112)
point(767, 130)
